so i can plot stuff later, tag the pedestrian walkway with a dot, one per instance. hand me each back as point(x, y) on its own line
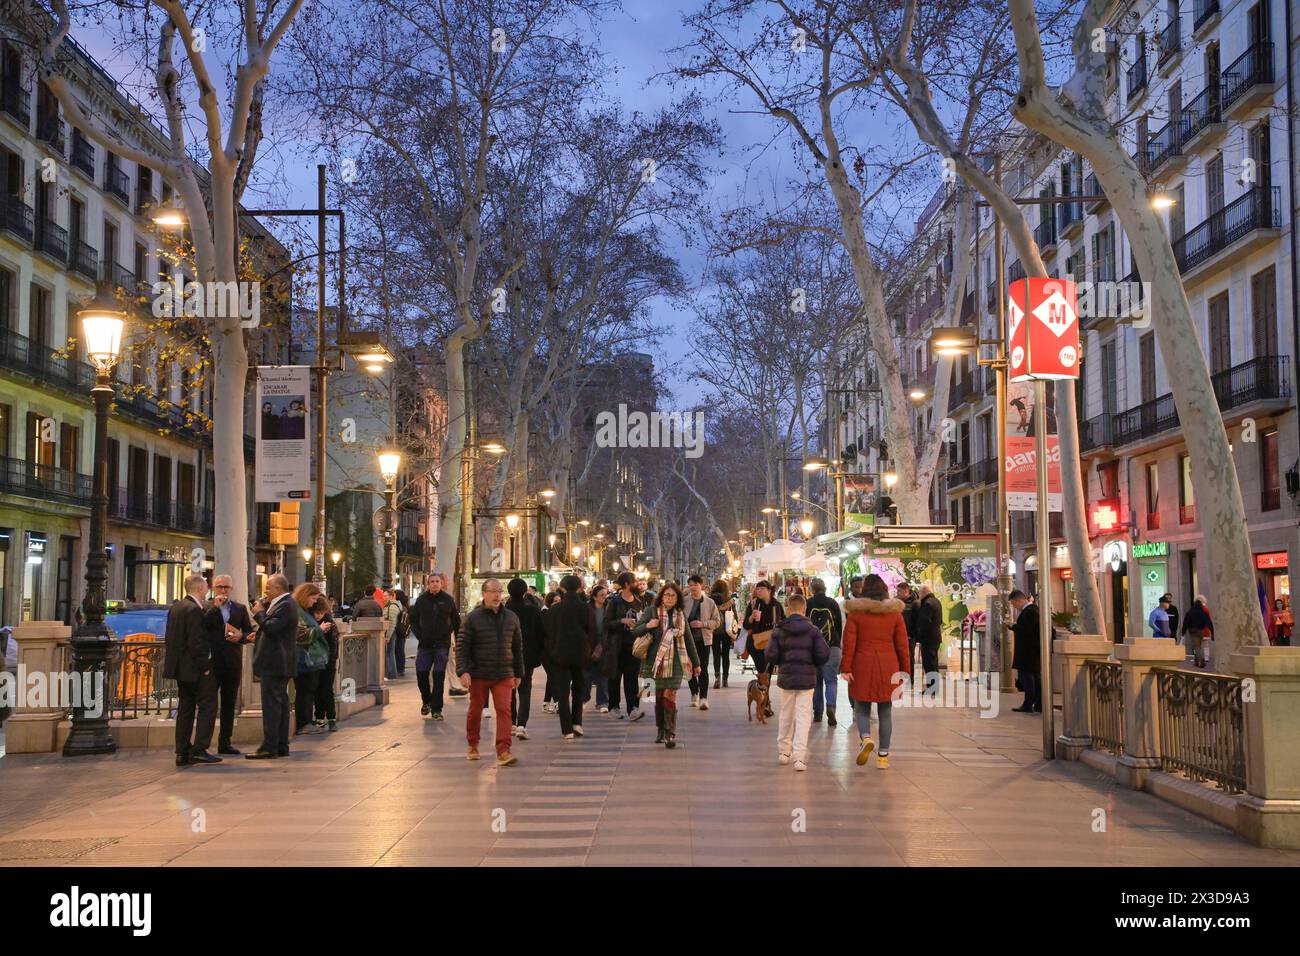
point(393, 788)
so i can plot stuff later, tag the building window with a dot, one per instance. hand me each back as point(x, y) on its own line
point(1270, 491)
point(1153, 495)
point(1186, 496)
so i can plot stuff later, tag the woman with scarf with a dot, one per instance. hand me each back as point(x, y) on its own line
point(670, 658)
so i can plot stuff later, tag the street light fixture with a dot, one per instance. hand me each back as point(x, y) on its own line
point(512, 521)
point(390, 461)
point(170, 215)
point(806, 525)
point(92, 646)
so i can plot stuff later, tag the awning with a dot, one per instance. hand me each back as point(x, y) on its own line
point(832, 540)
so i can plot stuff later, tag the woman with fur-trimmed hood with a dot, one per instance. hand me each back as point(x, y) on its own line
point(875, 649)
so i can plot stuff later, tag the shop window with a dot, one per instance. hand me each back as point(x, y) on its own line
point(1186, 496)
point(1270, 489)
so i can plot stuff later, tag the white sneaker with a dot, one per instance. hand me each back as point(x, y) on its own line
point(783, 759)
point(695, 700)
point(602, 709)
point(704, 704)
point(636, 714)
point(522, 733)
point(577, 729)
point(800, 765)
point(616, 714)
point(568, 736)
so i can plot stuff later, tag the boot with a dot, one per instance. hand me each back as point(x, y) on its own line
point(670, 728)
point(830, 717)
point(659, 719)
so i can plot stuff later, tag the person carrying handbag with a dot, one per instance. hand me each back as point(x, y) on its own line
point(668, 654)
point(313, 659)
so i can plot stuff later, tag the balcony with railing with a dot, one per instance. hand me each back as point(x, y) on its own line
point(1170, 40)
point(1249, 78)
point(1263, 379)
point(117, 183)
point(1254, 210)
point(1165, 144)
point(1045, 233)
point(1203, 115)
point(1137, 75)
point(83, 154)
point(83, 259)
point(121, 277)
point(18, 477)
point(16, 217)
point(48, 366)
point(959, 473)
point(985, 472)
point(14, 102)
point(1203, 12)
point(50, 131)
point(159, 511)
point(52, 239)
point(1092, 187)
point(1069, 215)
point(1095, 433)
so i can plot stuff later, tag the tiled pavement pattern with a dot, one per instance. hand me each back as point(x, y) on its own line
point(392, 788)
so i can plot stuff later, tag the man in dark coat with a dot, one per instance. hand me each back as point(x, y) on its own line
point(799, 652)
point(229, 627)
point(824, 613)
point(530, 627)
point(910, 611)
point(188, 661)
point(570, 632)
point(434, 619)
point(929, 632)
point(1174, 615)
point(620, 609)
point(490, 655)
point(275, 662)
point(1027, 657)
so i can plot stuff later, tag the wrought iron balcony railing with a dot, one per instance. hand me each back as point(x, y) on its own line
point(1171, 40)
point(52, 239)
point(1067, 214)
point(83, 154)
point(1203, 111)
point(19, 477)
point(1256, 209)
point(14, 100)
point(16, 217)
point(50, 130)
point(1137, 75)
point(117, 183)
point(1252, 68)
point(1202, 11)
point(83, 258)
point(20, 354)
point(1165, 143)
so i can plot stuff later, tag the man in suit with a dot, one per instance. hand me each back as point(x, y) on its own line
point(1027, 655)
point(188, 661)
point(275, 662)
point(228, 627)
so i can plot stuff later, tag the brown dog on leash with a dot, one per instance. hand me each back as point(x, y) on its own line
point(758, 694)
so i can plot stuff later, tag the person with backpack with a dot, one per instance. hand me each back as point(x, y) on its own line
point(824, 614)
point(397, 621)
point(799, 654)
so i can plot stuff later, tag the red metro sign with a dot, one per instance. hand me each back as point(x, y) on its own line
point(1042, 330)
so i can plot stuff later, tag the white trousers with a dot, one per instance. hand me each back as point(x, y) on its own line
point(795, 721)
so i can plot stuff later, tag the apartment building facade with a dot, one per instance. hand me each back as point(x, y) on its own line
point(73, 215)
point(1203, 91)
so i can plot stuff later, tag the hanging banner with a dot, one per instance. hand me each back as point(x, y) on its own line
point(859, 501)
point(283, 459)
point(1042, 329)
point(1022, 474)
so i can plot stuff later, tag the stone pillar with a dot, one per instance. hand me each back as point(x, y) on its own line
point(372, 628)
point(1138, 655)
point(34, 730)
point(1269, 812)
point(1073, 653)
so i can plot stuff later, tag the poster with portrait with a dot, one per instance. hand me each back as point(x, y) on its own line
point(859, 501)
point(283, 448)
point(1022, 419)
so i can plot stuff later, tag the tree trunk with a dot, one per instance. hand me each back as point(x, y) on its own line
point(450, 503)
point(1232, 588)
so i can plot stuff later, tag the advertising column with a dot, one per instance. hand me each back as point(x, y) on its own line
point(283, 452)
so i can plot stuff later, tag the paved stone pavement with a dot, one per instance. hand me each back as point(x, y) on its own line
point(393, 788)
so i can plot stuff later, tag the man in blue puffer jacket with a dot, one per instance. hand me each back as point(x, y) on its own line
point(798, 650)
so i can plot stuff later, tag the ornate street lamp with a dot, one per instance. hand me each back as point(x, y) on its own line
point(389, 462)
point(92, 646)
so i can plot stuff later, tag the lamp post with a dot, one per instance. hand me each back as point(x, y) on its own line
point(92, 647)
point(337, 557)
point(389, 462)
point(306, 559)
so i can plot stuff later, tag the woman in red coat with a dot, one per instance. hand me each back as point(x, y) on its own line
point(875, 649)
